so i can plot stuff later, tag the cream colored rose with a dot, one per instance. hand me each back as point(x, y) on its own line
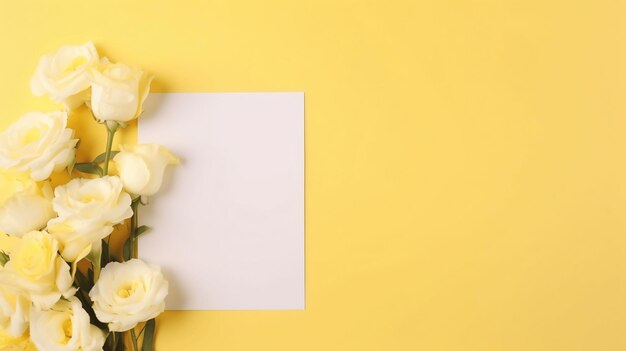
point(39, 143)
point(14, 307)
point(118, 91)
point(36, 268)
point(14, 304)
point(65, 327)
point(141, 167)
point(129, 293)
point(65, 74)
point(100, 200)
point(25, 205)
point(77, 236)
point(14, 311)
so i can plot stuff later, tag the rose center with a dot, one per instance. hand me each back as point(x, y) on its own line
point(67, 331)
point(31, 136)
point(76, 63)
point(89, 198)
point(31, 261)
point(126, 291)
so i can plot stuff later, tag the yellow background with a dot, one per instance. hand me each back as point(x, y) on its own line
point(466, 160)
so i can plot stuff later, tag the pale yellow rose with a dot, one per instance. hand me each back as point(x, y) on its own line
point(14, 308)
point(118, 91)
point(25, 205)
point(77, 236)
point(36, 269)
point(13, 343)
point(65, 74)
point(101, 200)
point(129, 293)
point(65, 327)
point(39, 143)
point(14, 311)
point(141, 167)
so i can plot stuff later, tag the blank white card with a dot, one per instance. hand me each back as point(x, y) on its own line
point(228, 224)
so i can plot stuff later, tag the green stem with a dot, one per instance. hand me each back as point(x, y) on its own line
point(134, 338)
point(95, 256)
point(96, 267)
point(111, 129)
point(111, 341)
point(133, 228)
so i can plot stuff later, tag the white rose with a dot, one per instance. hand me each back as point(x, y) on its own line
point(118, 91)
point(141, 167)
point(100, 200)
point(77, 236)
point(25, 205)
point(65, 74)
point(38, 142)
point(129, 293)
point(36, 268)
point(65, 327)
point(14, 311)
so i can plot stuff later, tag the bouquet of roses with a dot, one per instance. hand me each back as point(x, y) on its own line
point(63, 286)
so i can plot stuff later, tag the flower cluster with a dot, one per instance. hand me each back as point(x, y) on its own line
point(62, 287)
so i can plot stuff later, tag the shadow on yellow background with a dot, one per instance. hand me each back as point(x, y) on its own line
point(466, 166)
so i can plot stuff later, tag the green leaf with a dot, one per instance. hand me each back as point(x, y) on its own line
point(84, 283)
point(105, 258)
point(89, 167)
point(120, 342)
point(114, 342)
point(142, 229)
point(86, 302)
point(148, 336)
point(127, 253)
point(90, 274)
point(4, 258)
point(100, 158)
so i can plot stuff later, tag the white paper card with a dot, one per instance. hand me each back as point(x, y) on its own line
point(228, 225)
